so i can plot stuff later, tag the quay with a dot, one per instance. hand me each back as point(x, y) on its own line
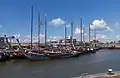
point(100, 45)
point(109, 74)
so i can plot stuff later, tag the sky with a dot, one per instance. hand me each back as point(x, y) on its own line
point(103, 15)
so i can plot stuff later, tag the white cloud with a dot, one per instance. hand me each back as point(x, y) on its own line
point(118, 37)
point(57, 22)
point(1, 26)
point(109, 29)
point(2, 34)
point(100, 25)
point(78, 31)
point(70, 37)
point(116, 24)
point(85, 34)
point(68, 25)
point(51, 38)
point(100, 37)
point(27, 38)
point(17, 35)
point(42, 35)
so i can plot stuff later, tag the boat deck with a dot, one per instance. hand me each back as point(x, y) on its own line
point(102, 75)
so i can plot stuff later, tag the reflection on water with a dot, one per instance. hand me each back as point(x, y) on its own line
point(62, 68)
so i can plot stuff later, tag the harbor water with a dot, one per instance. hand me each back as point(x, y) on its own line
point(99, 62)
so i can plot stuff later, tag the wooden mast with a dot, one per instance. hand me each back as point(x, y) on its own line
point(83, 36)
point(45, 30)
point(95, 37)
point(72, 28)
point(39, 31)
point(31, 25)
point(65, 34)
point(71, 33)
point(81, 29)
point(89, 37)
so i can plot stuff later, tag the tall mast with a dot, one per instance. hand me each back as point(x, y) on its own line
point(45, 30)
point(89, 34)
point(31, 25)
point(39, 31)
point(71, 33)
point(95, 37)
point(65, 34)
point(81, 29)
point(83, 35)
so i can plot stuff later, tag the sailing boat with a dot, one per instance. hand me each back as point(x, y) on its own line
point(35, 55)
point(89, 48)
point(63, 53)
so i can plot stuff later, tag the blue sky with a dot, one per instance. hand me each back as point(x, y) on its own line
point(15, 17)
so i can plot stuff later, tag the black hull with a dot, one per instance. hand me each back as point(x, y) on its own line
point(18, 57)
point(91, 51)
point(4, 58)
point(62, 56)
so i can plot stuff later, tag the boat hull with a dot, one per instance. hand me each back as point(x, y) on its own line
point(4, 57)
point(62, 56)
point(18, 56)
point(36, 57)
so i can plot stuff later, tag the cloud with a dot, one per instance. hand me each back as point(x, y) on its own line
point(85, 34)
point(68, 25)
point(109, 29)
point(118, 37)
point(117, 24)
point(27, 38)
point(1, 26)
point(54, 38)
point(100, 37)
point(57, 22)
point(70, 37)
point(2, 34)
point(17, 35)
point(78, 31)
point(100, 25)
